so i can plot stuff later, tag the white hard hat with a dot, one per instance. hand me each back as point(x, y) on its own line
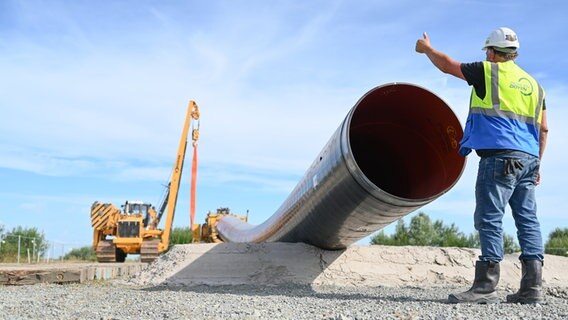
point(502, 38)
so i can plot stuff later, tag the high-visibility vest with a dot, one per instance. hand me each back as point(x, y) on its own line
point(509, 115)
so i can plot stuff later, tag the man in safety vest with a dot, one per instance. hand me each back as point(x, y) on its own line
point(507, 128)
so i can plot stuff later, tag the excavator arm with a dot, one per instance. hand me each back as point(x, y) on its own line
point(192, 113)
point(117, 233)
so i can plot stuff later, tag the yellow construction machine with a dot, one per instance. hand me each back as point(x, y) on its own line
point(134, 229)
point(207, 232)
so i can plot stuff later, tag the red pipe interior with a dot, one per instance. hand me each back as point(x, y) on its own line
point(404, 140)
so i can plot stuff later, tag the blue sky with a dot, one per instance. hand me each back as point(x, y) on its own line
point(93, 96)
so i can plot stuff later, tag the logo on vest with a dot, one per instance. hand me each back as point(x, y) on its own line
point(523, 85)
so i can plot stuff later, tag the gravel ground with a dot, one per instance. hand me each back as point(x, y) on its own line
point(108, 300)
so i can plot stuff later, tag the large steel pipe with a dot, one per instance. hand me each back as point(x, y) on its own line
point(395, 151)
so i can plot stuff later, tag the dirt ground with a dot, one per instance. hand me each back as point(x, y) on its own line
point(277, 263)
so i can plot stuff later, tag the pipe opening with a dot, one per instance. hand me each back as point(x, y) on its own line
point(405, 141)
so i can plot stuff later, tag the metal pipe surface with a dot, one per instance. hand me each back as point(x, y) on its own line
point(395, 152)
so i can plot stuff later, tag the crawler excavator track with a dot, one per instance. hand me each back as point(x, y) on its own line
point(149, 250)
point(106, 251)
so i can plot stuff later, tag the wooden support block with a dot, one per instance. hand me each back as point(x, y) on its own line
point(27, 277)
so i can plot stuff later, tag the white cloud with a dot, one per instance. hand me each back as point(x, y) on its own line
point(89, 91)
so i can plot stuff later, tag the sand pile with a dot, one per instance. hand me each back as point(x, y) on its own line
point(360, 266)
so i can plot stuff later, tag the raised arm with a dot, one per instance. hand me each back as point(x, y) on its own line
point(441, 60)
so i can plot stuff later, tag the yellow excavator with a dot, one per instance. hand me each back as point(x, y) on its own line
point(134, 229)
point(207, 232)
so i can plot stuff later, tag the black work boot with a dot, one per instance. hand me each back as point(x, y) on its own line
point(530, 291)
point(483, 288)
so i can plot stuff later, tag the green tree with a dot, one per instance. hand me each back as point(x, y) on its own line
point(473, 240)
point(509, 244)
point(84, 253)
point(27, 239)
point(180, 235)
point(401, 237)
point(557, 243)
point(450, 236)
point(423, 232)
point(384, 239)
point(2, 242)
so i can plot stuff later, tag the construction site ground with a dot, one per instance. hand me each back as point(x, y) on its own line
point(280, 281)
point(359, 266)
point(288, 263)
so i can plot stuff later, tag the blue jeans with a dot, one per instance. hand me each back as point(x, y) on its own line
point(493, 190)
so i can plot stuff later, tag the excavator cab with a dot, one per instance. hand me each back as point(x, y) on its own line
point(136, 207)
point(144, 209)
